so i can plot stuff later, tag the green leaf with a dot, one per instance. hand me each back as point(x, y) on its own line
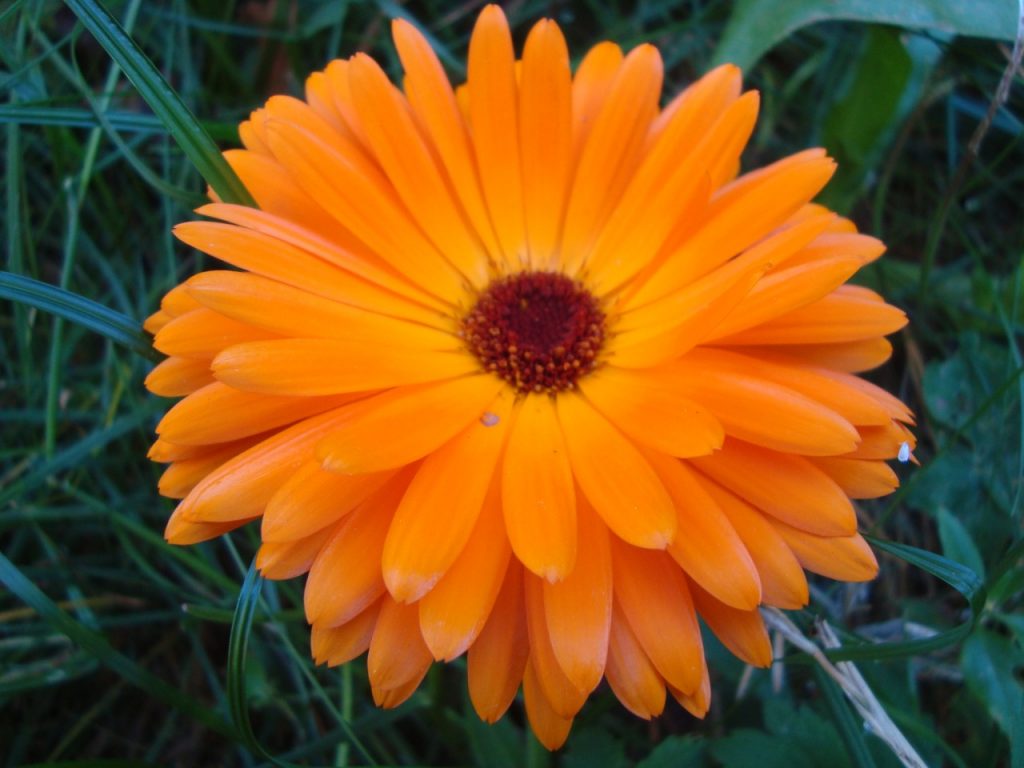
point(183, 126)
point(595, 748)
point(78, 309)
point(95, 644)
point(957, 543)
point(675, 752)
point(756, 26)
point(989, 662)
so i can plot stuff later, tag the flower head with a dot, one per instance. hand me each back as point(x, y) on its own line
point(525, 369)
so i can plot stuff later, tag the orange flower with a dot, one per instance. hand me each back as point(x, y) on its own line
point(524, 369)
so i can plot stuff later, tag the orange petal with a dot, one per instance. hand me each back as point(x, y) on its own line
point(882, 442)
point(319, 367)
point(218, 413)
point(406, 159)
point(494, 124)
point(338, 645)
point(545, 133)
point(612, 148)
point(405, 424)
point(345, 577)
point(537, 492)
point(851, 356)
point(498, 657)
point(177, 376)
point(651, 591)
point(183, 475)
point(706, 546)
point(398, 654)
point(783, 583)
point(845, 558)
point(287, 559)
point(765, 413)
point(615, 477)
point(313, 498)
point(578, 609)
point(431, 98)
point(590, 89)
point(453, 613)
point(242, 487)
point(201, 334)
point(439, 510)
point(698, 701)
point(563, 695)
point(181, 532)
point(631, 675)
point(649, 409)
point(742, 632)
point(787, 487)
point(858, 478)
point(550, 728)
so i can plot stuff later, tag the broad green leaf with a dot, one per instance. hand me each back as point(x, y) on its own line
point(957, 543)
point(989, 662)
point(78, 309)
point(595, 748)
point(675, 752)
point(756, 26)
point(183, 126)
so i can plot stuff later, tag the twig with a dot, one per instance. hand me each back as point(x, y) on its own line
point(850, 682)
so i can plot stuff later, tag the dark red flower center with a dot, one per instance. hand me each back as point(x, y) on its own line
point(539, 331)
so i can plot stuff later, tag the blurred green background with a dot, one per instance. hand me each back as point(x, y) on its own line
point(114, 647)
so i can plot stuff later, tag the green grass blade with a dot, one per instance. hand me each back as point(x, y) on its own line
point(94, 643)
point(78, 309)
point(163, 100)
point(960, 577)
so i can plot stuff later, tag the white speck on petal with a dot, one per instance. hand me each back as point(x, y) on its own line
point(904, 455)
point(489, 419)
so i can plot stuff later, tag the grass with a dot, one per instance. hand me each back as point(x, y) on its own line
point(117, 649)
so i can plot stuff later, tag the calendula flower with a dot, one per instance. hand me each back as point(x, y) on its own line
point(525, 369)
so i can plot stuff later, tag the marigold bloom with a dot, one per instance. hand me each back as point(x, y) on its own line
point(524, 369)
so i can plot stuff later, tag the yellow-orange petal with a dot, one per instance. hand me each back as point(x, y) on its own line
point(453, 613)
point(844, 558)
point(439, 510)
point(177, 376)
point(785, 486)
point(706, 546)
point(345, 577)
point(741, 631)
point(183, 475)
point(498, 657)
point(404, 424)
point(847, 357)
point(550, 728)
point(562, 693)
point(698, 701)
point(630, 673)
point(538, 497)
point(882, 442)
point(313, 498)
point(646, 406)
point(578, 609)
point(651, 591)
point(616, 478)
point(783, 583)
point(338, 645)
